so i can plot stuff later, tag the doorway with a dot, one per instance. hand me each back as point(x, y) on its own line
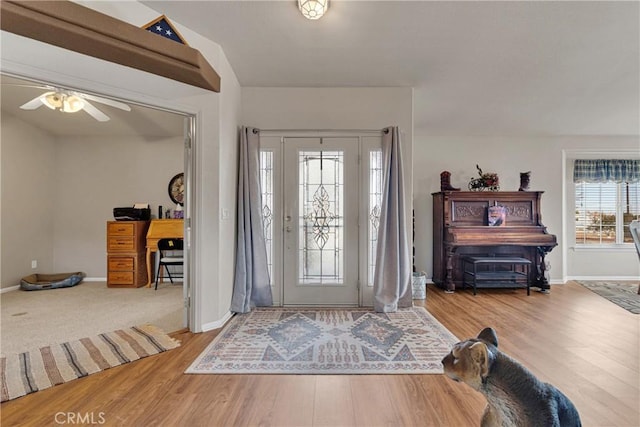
point(321, 204)
point(88, 166)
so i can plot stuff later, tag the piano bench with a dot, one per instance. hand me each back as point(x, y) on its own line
point(481, 272)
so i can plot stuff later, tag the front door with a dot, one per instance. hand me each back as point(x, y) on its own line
point(320, 213)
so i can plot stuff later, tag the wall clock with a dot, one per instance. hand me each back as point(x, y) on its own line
point(176, 189)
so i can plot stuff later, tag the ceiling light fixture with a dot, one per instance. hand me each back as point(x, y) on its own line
point(313, 9)
point(62, 101)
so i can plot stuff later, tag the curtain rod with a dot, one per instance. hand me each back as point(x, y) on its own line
point(386, 130)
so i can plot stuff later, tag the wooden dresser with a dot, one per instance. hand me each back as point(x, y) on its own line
point(126, 254)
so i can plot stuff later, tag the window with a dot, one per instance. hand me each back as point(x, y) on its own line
point(376, 180)
point(604, 210)
point(266, 186)
point(321, 217)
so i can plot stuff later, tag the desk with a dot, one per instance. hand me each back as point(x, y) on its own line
point(161, 229)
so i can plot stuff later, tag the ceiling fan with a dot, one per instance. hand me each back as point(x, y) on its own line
point(69, 101)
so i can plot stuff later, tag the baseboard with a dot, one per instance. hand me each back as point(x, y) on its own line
point(552, 282)
point(12, 288)
point(603, 278)
point(94, 279)
point(218, 323)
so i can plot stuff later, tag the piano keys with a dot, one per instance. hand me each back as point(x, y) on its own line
point(460, 228)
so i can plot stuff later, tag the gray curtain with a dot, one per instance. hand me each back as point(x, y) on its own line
point(392, 276)
point(251, 286)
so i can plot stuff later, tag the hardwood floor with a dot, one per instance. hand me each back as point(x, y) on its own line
point(580, 342)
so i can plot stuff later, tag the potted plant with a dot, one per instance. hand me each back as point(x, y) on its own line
point(486, 181)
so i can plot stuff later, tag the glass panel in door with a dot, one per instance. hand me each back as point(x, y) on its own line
point(321, 221)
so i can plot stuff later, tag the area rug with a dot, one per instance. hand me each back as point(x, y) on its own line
point(327, 341)
point(624, 295)
point(25, 373)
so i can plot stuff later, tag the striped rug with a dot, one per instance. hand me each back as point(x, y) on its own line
point(28, 372)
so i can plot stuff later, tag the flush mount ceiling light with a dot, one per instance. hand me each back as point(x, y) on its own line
point(313, 9)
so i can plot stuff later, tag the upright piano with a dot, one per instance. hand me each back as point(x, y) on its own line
point(460, 228)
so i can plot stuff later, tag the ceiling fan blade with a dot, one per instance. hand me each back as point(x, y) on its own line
point(105, 101)
point(33, 104)
point(95, 113)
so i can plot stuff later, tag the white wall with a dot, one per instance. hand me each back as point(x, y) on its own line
point(28, 202)
point(333, 109)
point(228, 184)
point(94, 175)
point(508, 156)
point(328, 108)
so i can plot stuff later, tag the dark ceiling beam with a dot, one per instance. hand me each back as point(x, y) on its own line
point(84, 30)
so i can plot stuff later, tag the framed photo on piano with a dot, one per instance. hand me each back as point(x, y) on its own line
point(496, 216)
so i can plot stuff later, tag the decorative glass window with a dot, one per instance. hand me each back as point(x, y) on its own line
point(375, 204)
point(266, 186)
point(321, 217)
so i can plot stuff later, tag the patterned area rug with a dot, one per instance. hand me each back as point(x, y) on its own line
point(32, 371)
point(327, 341)
point(624, 295)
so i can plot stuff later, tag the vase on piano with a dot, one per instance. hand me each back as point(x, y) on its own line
point(525, 178)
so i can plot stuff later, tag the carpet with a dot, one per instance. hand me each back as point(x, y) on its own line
point(28, 372)
point(51, 317)
point(624, 295)
point(327, 341)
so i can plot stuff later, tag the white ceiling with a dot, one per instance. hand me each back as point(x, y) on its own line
point(490, 68)
point(477, 68)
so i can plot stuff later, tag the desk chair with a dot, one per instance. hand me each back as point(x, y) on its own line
point(634, 227)
point(170, 252)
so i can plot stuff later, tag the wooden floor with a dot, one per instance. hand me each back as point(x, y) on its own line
point(582, 343)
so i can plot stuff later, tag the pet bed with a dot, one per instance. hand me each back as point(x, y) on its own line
point(36, 282)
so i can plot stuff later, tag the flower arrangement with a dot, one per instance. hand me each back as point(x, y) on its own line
point(486, 181)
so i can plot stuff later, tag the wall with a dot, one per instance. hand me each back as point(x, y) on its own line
point(334, 109)
point(329, 108)
point(314, 109)
point(228, 184)
point(94, 175)
point(508, 156)
point(28, 200)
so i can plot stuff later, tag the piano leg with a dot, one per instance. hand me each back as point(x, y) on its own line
point(450, 286)
point(541, 281)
